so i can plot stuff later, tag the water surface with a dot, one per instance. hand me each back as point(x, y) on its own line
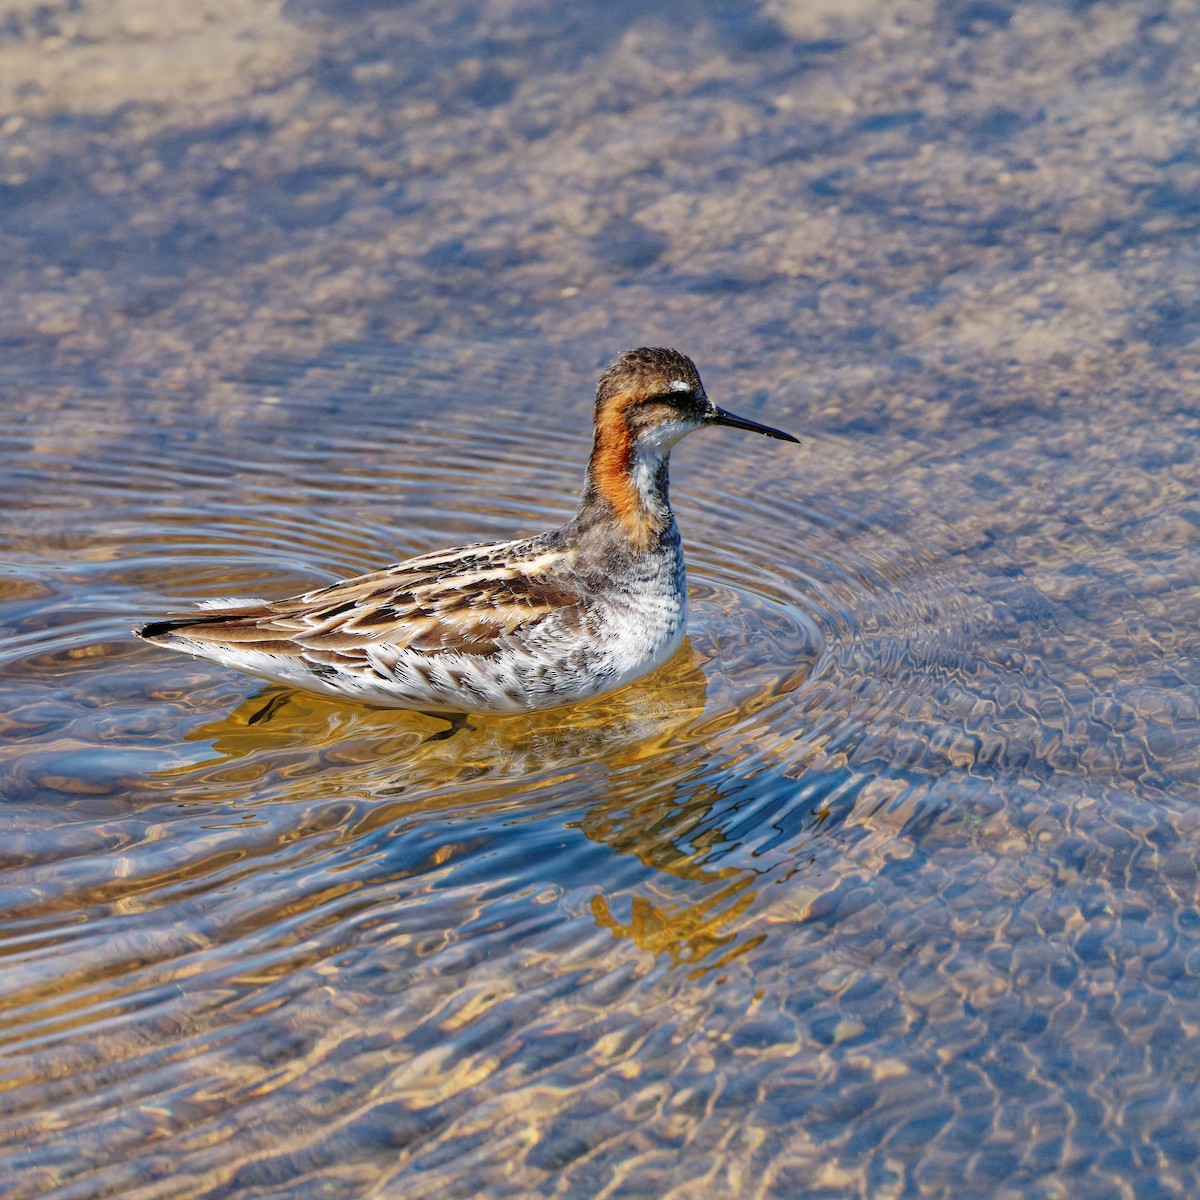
point(887, 885)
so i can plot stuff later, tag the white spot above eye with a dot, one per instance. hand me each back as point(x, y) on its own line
point(678, 385)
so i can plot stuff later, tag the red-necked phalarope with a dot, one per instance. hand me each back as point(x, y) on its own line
point(502, 627)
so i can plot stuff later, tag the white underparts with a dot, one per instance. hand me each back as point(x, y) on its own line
point(230, 602)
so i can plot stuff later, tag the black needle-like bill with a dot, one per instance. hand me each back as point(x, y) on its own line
point(735, 422)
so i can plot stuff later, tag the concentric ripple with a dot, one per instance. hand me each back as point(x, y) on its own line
point(225, 903)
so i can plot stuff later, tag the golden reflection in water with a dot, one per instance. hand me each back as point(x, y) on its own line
point(690, 934)
point(391, 752)
point(394, 765)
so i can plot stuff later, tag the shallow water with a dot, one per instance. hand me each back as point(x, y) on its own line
point(888, 885)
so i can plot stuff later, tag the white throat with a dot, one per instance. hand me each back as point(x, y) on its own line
point(650, 453)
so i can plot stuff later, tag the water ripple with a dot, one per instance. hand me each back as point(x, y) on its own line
point(196, 856)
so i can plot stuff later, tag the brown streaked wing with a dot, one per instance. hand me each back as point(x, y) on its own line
point(467, 606)
point(442, 615)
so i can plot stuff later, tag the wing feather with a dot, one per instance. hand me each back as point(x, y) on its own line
point(467, 601)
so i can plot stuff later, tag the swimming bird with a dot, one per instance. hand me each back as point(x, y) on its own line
point(502, 627)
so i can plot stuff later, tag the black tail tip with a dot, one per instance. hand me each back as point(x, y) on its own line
point(153, 630)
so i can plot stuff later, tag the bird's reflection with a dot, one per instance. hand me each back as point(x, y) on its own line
point(394, 751)
point(631, 770)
